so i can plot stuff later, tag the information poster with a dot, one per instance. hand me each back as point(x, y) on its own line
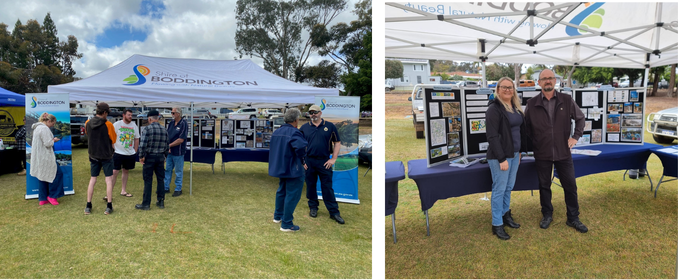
point(207, 131)
point(476, 102)
point(244, 134)
point(11, 118)
point(227, 139)
point(444, 118)
point(624, 120)
point(591, 104)
point(344, 113)
point(264, 130)
point(57, 105)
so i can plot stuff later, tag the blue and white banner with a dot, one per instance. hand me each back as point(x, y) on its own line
point(344, 113)
point(57, 105)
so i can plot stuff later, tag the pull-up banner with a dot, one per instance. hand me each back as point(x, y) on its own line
point(344, 113)
point(57, 105)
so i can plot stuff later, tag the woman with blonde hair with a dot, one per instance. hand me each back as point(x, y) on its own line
point(44, 166)
point(506, 135)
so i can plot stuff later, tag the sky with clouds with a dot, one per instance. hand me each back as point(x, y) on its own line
point(109, 32)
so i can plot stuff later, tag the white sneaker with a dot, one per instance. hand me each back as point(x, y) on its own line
point(293, 228)
point(276, 221)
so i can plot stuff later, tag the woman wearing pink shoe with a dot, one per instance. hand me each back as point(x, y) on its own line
point(43, 162)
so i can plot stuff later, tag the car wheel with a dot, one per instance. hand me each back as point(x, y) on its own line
point(662, 139)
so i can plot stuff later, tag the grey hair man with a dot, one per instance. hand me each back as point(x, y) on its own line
point(285, 161)
point(177, 131)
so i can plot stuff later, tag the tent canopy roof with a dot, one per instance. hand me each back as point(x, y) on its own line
point(8, 98)
point(602, 34)
point(167, 82)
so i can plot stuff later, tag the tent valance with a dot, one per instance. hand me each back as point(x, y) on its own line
point(8, 98)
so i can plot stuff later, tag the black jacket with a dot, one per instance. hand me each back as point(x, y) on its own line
point(550, 139)
point(499, 133)
point(100, 145)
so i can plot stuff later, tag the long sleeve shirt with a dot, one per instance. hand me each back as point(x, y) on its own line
point(154, 140)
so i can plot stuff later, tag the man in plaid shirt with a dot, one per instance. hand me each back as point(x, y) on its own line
point(153, 151)
point(20, 137)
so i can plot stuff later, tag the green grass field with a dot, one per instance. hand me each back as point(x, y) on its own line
point(631, 233)
point(224, 230)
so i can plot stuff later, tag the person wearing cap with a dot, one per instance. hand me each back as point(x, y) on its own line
point(152, 154)
point(101, 137)
point(177, 131)
point(323, 141)
point(286, 161)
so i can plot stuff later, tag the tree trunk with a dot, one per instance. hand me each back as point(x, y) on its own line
point(672, 82)
point(655, 84)
point(516, 73)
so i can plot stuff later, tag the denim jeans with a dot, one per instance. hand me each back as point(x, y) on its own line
point(286, 199)
point(55, 189)
point(502, 184)
point(176, 163)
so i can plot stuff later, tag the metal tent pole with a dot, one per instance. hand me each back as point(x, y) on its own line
point(190, 190)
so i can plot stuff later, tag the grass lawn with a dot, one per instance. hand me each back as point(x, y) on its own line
point(631, 233)
point(224, 230)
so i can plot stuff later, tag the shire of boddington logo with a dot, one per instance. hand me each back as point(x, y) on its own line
point(591, 17)
point(138, 78)
point(34, 103)
point(322, 104)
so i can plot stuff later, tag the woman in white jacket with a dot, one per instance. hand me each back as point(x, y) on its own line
point(43, 161)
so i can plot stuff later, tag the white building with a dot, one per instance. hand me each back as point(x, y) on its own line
point(415, 71)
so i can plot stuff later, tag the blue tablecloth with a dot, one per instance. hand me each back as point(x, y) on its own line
point(395, 171)
point(443, 181)
point(201, 155)
point(260, 155)
point(612, 157)
point(669, 161)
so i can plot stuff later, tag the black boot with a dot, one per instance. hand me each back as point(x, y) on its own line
point(508, 220)
point(499, 231)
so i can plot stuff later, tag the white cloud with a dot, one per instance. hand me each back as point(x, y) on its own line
point(188, 29)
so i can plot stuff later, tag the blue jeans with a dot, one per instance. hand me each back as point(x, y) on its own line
point(176, 163)
point(55, 189)
point(502, 185)
point(286, 199)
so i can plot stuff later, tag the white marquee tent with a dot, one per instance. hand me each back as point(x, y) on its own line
point(165, 82)
point(602, 34)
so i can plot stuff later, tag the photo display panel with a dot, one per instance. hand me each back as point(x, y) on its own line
point(475, 101)
point(443, 125)
point(591, 102)
point(195, 127)
point(227, 134)
point(244, 133)
point(625, 109)
point(264, 130)
point(207, 131)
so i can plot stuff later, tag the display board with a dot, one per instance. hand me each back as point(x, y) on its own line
point(444, 123)
point(591, 102)
point(264, 130)
point(624, 111)
point(207, 132)
point(57, 105)
point(195, 132)
point(475, 101)
point(244, 133)
point(227, 134)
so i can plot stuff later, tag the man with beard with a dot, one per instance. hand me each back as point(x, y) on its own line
point(125, 149)
point(548, 118)
point(323, 140)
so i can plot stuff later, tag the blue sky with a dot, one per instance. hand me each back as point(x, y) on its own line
point(118, 32)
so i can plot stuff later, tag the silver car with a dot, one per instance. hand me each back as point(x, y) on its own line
point(663, 125)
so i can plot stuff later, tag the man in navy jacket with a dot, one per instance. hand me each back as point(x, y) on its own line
point(286, 160)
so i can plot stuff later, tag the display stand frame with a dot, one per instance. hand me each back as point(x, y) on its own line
point(435, 95)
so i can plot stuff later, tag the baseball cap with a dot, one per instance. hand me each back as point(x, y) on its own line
point(153, 113)
point(315, 108)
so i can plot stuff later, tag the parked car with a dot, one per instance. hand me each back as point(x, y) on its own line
point(203, 114)
point(366, 114)
point(78, 129)
point(268, 113)
point(492, 85)
point(663, 125)
point(472, 84)
point(388, 86)
point(663, 84)
point(115, 113)
point(251, 112)
point(526, 83)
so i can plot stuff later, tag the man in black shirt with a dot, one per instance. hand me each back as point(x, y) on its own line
point(323, 140)
point(153, 149)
